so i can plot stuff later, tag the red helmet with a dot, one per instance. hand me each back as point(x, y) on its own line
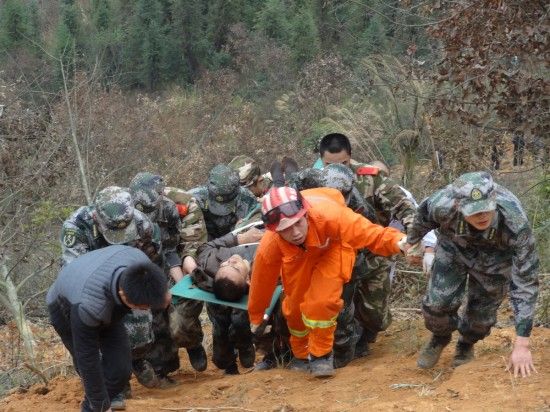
point(282, 207)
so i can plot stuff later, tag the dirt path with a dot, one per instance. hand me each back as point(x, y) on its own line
point(387, 379)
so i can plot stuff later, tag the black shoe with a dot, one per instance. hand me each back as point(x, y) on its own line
point(247, 356)
point(197, 357)
point(118, 403)
point(323, 366)
point(464, 353)
point(430, 353)
point(232, 369)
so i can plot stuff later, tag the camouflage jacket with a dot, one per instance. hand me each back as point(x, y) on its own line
point(80, 234)
point(507, 247)
point(217, 226)
point(192, 226)
point(385, 196)
point(168, 220)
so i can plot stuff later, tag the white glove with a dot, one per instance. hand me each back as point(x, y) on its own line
point(427, 262)
point(254, 328)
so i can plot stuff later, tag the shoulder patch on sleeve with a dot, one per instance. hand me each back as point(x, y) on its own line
point(69, 237)
point(368, 170)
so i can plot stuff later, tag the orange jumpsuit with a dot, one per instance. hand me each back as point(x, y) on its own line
point(314, 273)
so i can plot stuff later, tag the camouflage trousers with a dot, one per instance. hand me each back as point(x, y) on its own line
point(151, 342)
point(185, 323)
point(454, 276)
point(139, 326)
point(230, 332)
point(371, 275)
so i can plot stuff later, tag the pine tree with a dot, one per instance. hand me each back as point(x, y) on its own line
point(145, 54)
point(272, 20)
point(14, 24)
point(304, 38)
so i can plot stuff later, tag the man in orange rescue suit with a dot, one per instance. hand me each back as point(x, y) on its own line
point(311, 242)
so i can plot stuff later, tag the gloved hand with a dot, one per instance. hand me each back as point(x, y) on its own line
point(427, 263)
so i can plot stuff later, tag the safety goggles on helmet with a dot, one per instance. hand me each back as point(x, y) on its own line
point(289, 209)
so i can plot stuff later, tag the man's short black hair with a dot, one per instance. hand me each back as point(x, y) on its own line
point(334, 143)
point(229, 290)
point(144, 284)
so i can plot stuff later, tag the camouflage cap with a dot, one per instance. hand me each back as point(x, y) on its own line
point(223, 189)
point(115, 215)
point(146, 190)
point(340, 177)
point(475, 193)
point(247, 168)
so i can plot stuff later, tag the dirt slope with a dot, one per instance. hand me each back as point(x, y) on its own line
point(385, 380)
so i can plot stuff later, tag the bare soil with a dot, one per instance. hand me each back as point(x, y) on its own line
point(387, 379)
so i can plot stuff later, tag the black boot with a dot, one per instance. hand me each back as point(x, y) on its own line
point(430, 353)
point(464, 353)
point(323, 366)
point(362, 346)
point(197, 357)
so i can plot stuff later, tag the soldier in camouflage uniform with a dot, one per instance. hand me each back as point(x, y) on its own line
point(113, 220)
point(371, 272)
point(485, 245)
point(153, 364)
point(250, 175)
point(223, 202)
point(185, 324)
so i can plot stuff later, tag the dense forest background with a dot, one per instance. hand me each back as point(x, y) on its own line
point(93, 91)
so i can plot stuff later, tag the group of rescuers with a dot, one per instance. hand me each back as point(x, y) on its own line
point(325, 233)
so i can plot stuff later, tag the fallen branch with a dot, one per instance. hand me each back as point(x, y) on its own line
point(406, 385)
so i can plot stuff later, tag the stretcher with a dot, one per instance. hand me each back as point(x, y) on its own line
point(186, 289)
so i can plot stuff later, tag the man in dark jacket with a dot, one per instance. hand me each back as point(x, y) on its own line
point(225, 267)
point(87, 302)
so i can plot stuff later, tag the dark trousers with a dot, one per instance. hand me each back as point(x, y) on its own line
point(230, 332)
point(114, 346)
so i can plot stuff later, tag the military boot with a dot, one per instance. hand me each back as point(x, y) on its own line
point(197, 357)
point(232, 369)
point(247, 356)
point(322, 366)
point(464, 353)
point(430, 353)
point(362, 346)
point(145, 374)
